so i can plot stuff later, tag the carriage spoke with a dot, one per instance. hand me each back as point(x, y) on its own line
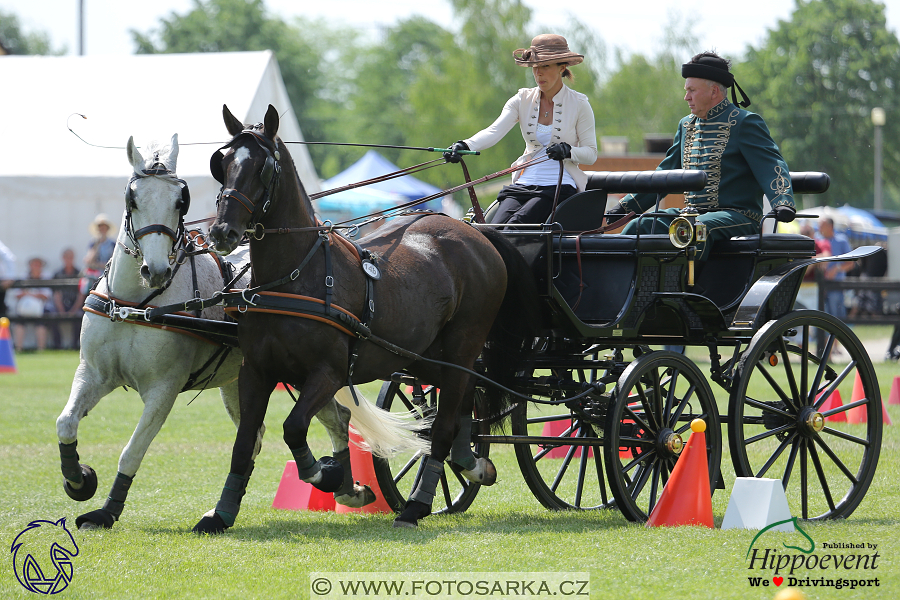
point(403, 471)
point(448, 498)
point(851, 367)
point(563, 468)
point(768, 465)
point(837, 461)
point(768, 408)
point(804, 365)
point(804, 480)
point(582, 470)
point(657, 466)
point(788, 370)
point(775, 387)
point(683, 403)
point(769, 433)
point(670, 397)
point(640, 483)
point(789, 467)
point(845, 436)
point(821, 474)
point(638, 418)
point(648, 410)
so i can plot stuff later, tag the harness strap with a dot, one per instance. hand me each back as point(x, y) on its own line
point(479, 214)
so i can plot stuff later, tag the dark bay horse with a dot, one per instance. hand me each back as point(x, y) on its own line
point(438, 286)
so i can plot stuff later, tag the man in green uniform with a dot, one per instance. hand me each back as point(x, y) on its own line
point(735, 149)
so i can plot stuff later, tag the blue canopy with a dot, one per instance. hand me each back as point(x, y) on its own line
point(399, 190)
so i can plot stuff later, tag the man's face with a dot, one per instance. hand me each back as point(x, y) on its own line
point(701, 95)
point(826, 229)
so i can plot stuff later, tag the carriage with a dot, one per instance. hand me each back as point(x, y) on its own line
point(601, 412)
point(612, 402)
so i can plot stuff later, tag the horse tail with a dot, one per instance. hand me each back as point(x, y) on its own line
point(515, 327)
point(385, 433)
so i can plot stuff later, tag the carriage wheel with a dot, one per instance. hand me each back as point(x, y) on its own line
point(397, 476)
point(560, 475)
point(785, 422)
point(648, 423)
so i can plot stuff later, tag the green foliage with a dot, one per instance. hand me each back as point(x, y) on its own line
point(815, 80)
point(16, 41)
point(244, 25)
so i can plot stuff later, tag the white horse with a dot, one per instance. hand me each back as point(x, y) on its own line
point(161, 363)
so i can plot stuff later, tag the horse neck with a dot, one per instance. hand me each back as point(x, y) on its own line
point(274, 256)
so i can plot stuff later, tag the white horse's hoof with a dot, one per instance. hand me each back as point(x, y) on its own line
point(362, 495)
point(484, 472)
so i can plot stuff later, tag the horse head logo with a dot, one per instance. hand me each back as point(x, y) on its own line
point(42, 556)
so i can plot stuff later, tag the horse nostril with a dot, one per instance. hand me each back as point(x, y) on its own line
point(145, 272)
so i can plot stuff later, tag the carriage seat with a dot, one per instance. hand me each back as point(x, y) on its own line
point(788, 243)
point(613, 243)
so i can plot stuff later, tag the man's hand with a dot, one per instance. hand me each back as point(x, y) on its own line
point(615, 214)
point(785, 213)
point(559, 151)
point(453, 156)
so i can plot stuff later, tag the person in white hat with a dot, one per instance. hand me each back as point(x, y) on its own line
point(101, 248)
point(555, 121)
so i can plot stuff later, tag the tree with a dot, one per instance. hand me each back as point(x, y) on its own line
point(815, 80)
point(244, 25)
point(16, 41)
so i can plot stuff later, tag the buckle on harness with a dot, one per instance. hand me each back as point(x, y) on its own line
point(329, 281)
point(251, 301)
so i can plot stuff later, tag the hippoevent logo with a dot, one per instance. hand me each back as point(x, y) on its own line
point(838, 564)
point(42, 556)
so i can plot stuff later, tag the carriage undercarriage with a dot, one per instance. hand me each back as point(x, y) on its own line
point(612, 411)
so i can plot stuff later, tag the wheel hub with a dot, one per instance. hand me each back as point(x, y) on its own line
point(670, 442)
point(813, 421)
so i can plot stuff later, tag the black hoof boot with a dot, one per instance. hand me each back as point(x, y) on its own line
point(211, 524)
point(96, 519)
point(410, 516)
point(332, 475)
point(87, 489)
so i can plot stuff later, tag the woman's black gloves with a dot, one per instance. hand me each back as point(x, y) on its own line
point(559, 151)
point(453, 156)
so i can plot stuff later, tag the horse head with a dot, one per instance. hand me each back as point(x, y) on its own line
point(248, 167)
point(155, 204)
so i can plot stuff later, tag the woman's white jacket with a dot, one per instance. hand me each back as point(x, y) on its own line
point(573, 123)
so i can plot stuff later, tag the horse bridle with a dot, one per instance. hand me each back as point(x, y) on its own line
point(177, 237)
point(268, 176)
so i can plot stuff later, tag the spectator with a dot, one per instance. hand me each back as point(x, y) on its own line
point(67, 301)
point(7, 274)
point(31, 302)
point(100, 250)
point(823, 248)
point(834, 271)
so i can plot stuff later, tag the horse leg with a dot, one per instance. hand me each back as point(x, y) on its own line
point(88, 388)
point(444, 430)
point(158, 404)
point(326, 473)
point(336, 419)
point(255, 390)
point(231, 398)
point(476, 469)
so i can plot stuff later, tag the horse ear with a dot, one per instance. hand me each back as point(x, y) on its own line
point(271, 122)
point(134, 157)
point(233, 126)
point(173, 153)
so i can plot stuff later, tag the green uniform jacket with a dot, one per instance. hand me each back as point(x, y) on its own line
point(740, 158)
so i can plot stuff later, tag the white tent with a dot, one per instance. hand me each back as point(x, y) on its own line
point(52, 184)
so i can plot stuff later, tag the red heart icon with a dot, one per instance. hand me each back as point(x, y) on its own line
point(778, 580)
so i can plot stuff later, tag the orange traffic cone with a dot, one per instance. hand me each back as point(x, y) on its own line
point(894, 397)
point(686, 499)
point(857, 414)
point(7, 356)
point(833, 401)
point(364, 472)
point(556, 429)
point(293, 494)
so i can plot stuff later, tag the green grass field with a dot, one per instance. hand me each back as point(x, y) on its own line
point(151, 553)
